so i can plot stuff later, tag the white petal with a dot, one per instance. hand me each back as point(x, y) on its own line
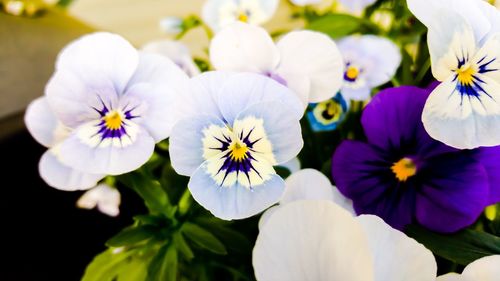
point(244, 47)
point(357, 5)
point(312, 240)
point(305, 2)
point(85, 151)
point(292, 165)
point(360, 94)
point(307, 184)
point(106, 198)
point(450, 277)
point(177, 52)
point(100, 56)
point(484, 269)
point(243, 90)
point(428, 11)
point(467, 122)
point(62, 177)
point(397, 257)
point(266, 215)
point(299, 55)
point(41, 122)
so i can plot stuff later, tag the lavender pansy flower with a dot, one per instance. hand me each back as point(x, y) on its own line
point(50, 132)
point(370, 61)
point(319, 240)
point(237, 127)
point(175, 51)
point(327, 115)
point(220, 13)
point(404, 176)
point(464, 44)
point(116, 103)
point(307, 62)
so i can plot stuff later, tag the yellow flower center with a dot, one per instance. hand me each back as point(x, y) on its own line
point(404, 168)
point(113, 120)
point(466, 74)
point(243, 17)
point(238, 151)
point(352, 72)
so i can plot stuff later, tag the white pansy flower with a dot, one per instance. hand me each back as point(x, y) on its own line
point(220, 13)
point(309, 184)
point(307, 62)
point(115, 101)
point(176, 51)
point(464, 44)
point(356, 6)
point(106, 198)
point(370, 61)
point(483, 269)
point(319, 240)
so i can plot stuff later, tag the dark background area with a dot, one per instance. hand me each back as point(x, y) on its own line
point(43, 235)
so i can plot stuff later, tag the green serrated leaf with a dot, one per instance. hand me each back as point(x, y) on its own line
point(131, 235)
point(336, 25)
point(203, 238)
point(183, 247)
point(462, 247)
point(164, 265)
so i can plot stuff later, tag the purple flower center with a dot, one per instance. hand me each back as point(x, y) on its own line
point(113, 121)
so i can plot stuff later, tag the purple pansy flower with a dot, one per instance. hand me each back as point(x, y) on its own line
point(404, 176)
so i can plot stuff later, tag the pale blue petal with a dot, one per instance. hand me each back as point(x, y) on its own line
point(186, 147)
point(235, 202)
point(62, 177)
point(41, 122)
point(243, 90)
point(281, 126)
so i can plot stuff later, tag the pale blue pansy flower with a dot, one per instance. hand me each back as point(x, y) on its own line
point(307, 62)
point(356, 6)
point(464, 44)
point(236, 128)
point(176, 51)
point(370, 61)
point(319, 240)
point(220, 13)
point(50, 132)
point(483, 269)
point(329, 114)
point(103, 197)
point(116, 103)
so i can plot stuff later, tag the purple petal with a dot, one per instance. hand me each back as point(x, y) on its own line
point(489, 157)
point(453, 194)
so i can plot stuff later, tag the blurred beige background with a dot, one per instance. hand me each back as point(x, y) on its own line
point(29, 46)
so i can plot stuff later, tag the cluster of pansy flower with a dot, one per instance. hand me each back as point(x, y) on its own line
point(427, 156)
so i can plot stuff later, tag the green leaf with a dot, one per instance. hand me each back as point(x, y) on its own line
point(462, 247)
point(152, 193)
point(336, 25)
point(131, 235)
point(164, 265)
point(203, 238)
point(182, 246)
point(112, 266)
point(232, 239)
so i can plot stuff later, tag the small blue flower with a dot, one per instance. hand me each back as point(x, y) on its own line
point(237, 127)
point(327, 115)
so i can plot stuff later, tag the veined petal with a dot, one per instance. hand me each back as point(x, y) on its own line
point(299, 55)
point(91, 152)
point(186, 142)
point(62, 177)
point(302, 241)
point(243, 90)
point(281, 127)
point(236, 201)
point(100, 56)
point(41, 122)
point(244, 47)
point(397, 257)
point(464, 119)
